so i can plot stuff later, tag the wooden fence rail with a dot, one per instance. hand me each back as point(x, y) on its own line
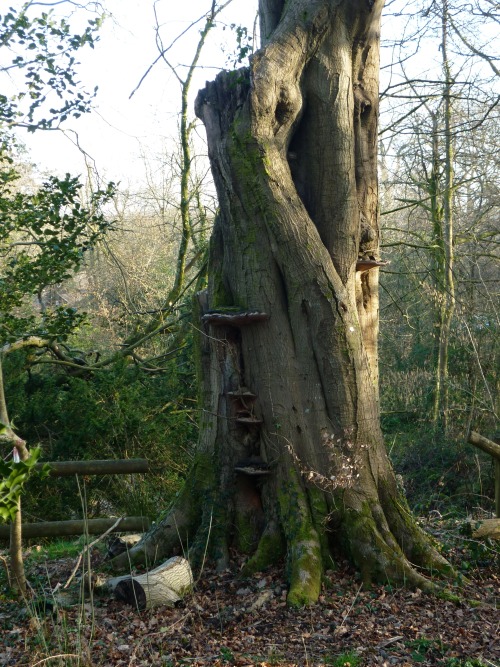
point(91, 526)
point(493, 449)
point(104, 467)
point(78, 527)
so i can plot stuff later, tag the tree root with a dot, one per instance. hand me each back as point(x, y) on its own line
point(270, 549)
point(304, 547)
point(380, 535)
point(420, 548)
point(168, 536)
point(389, 545)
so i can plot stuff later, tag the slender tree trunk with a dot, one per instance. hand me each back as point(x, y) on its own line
point(438, 257)
point(447, 296)
point(291, 458)
point(16, 553)
point(16, 548)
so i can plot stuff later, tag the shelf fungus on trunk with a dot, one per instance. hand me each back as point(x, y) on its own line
point(237, 319)
point(368, 264)
point(253, 467)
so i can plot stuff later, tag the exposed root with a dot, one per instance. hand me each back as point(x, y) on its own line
point(386, 543)
point(304, 553)
point(381, 536)
point(306, 569)
point(419, 547)
point(378, 556)
point(270, 549)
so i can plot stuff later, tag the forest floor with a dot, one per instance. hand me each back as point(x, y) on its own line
point(245, 622)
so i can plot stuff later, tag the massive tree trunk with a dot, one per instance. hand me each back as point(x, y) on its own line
point(291, 458)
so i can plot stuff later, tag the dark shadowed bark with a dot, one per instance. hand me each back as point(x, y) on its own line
point(291, 459)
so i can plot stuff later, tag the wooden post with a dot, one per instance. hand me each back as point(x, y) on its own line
point(497, 488)
point(497, 480)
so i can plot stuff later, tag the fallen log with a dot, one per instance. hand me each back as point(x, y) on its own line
point(488, 528)
point(78, 527)
point(104, 467)
point(165, 585)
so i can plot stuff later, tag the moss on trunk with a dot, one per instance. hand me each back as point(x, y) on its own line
point(304, 553)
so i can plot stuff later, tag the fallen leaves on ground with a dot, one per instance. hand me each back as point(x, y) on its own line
point(246, 622)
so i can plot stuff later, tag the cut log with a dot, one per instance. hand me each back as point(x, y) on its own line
point(78, 527)
point(165, 585)
point(488, 528)
point(104, 467)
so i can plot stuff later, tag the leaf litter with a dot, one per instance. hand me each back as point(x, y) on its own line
point(228, 620)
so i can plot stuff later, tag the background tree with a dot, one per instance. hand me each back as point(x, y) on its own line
point(438, 149)
point(448, 101)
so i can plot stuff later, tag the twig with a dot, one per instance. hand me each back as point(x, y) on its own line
point(87, 548)
point(206, 544)
point(392, 640)
point(350, 608)
point(53, 657)
point(305, 651)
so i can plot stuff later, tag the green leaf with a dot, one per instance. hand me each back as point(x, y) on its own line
point(13, 477)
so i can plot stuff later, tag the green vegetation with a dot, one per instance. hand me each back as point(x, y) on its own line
point(118, 413)
point(54, 549)
point(13, 476)
point(350, 659)
point(422, 647)
point(226, 654)
point(45, 230)
point(83, 378)
point(438, 472)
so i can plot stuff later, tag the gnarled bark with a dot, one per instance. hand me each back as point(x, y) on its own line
point(292, 143)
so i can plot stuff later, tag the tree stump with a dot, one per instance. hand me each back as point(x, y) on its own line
point(165, 585)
